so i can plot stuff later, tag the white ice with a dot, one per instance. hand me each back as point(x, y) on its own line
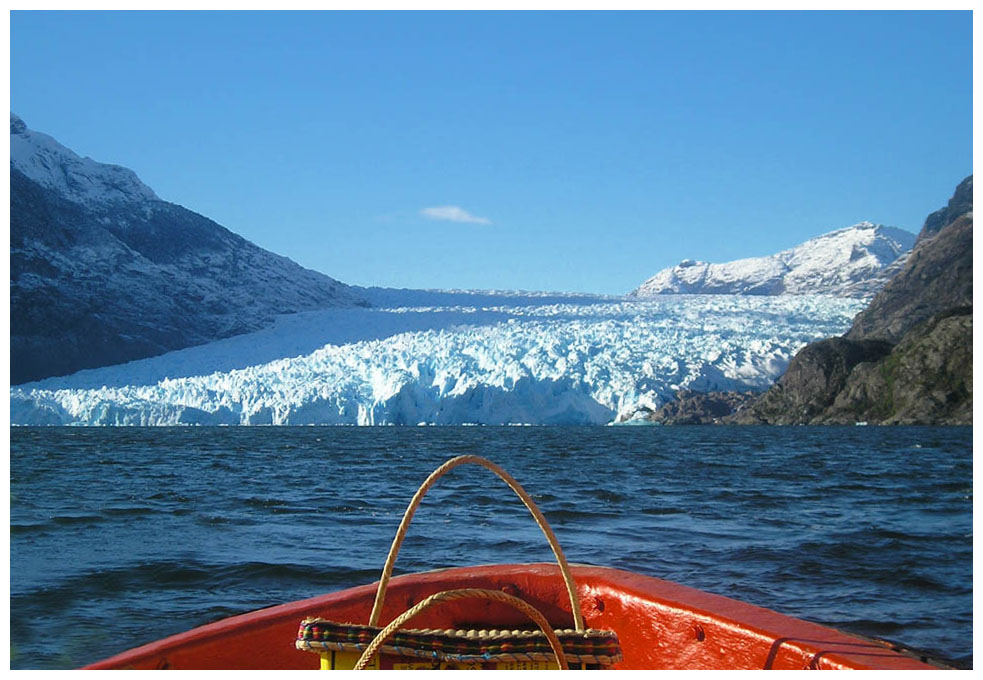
point(432, 357)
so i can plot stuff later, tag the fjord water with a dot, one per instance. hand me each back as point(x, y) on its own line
point(123, 536)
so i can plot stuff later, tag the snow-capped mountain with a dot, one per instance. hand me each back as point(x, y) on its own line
point(82, 180)
point(452, 358)
point(102, 271)
point(849, 262)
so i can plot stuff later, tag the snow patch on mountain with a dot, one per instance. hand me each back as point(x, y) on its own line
point(452, 358)
point(847, 262)
point(81, 180)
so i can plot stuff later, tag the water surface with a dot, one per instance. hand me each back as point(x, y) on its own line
point(132, 534)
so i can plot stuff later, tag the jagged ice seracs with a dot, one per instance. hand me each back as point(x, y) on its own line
point(463, 358)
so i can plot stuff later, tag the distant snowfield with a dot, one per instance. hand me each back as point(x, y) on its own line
point(446, 357)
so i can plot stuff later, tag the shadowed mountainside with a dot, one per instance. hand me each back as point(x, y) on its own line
point(908, 358)
point(103, 272)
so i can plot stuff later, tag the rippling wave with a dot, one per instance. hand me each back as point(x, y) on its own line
point(136, 534)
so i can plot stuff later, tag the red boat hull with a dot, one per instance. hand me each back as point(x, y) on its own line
point(661, 625)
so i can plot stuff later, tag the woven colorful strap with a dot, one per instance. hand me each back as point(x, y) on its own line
point(585, 646)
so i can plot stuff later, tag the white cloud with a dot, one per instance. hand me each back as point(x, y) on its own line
point(453, 213)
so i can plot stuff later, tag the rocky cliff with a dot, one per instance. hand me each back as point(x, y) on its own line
point(697, 408)
point(908, 357)
point(937, 275)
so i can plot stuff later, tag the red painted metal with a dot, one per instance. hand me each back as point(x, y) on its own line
point(661, 625)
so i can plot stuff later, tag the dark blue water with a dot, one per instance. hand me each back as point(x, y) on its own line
point(123, 536)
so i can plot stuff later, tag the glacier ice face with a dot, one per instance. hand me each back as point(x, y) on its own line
point(431, 357)
point(848, 262)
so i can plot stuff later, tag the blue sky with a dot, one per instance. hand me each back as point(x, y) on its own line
point(537, 151)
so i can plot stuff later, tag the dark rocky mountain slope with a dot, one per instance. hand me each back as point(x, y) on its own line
point(908, 359)
point(937, 276)
point(103, 272)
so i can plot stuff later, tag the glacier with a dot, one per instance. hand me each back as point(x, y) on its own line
point(452, 357)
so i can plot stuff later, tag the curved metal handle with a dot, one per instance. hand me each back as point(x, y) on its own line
point(465, 593)
point(561, 560)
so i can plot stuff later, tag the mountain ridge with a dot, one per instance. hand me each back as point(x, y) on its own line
point(104, 272)
point(846, 262)
point(42, 159)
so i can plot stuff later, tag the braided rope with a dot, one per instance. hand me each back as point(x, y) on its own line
point(466, 593)
point(561, 560)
